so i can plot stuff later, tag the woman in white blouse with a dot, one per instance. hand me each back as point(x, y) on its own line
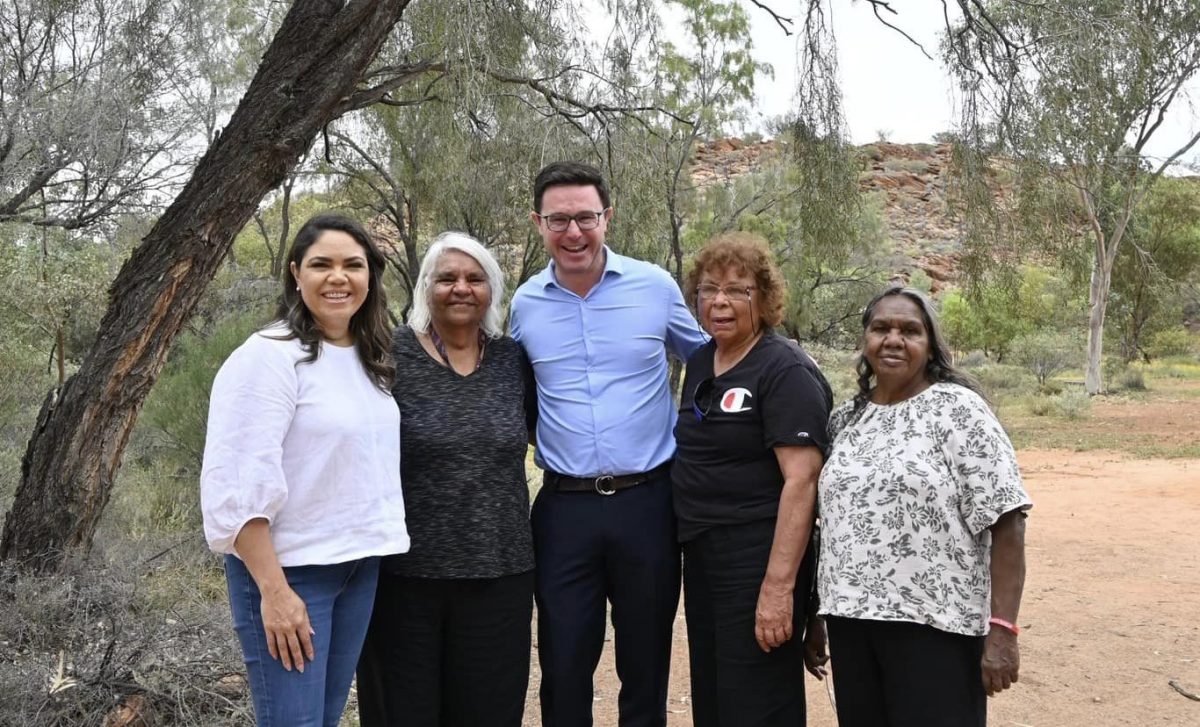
point(300, 487)
point(922, 534)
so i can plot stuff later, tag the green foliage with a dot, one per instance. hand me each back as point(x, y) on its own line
point(872, 152)
point(914, 166)
point(154, 498)
point(1073, 404)
point(1046, 353)
point(1153, 272)
point(838, 366)
point(158, 488)
point(1000, 380)
point(1069, 405)
point(1172, 342)
point(994, 314)
point(177, 409)
point(53, 283)
point(920, 280)
point(827, 242)
point(1132, 379)
point(710, 84)
point(52, 293)
point(990, 325)
point(1079, 88)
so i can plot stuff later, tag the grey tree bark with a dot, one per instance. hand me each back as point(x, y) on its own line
point(307, 78)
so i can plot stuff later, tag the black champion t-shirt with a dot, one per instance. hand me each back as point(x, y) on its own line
point(725, 470)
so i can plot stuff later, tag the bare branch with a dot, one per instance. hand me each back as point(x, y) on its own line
point(880, 5)
point(785, 24)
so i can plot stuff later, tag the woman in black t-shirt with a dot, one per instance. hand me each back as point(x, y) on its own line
point(750, 441)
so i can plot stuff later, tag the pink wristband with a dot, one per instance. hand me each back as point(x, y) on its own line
point(1015, 629)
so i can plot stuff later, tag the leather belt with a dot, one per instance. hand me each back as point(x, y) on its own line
point(603, 484)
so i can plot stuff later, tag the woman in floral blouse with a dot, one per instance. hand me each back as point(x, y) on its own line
point(922, 541)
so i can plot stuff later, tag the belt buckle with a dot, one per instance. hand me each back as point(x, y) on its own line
point(600, 485)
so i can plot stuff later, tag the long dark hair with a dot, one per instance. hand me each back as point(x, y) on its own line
point(941, 365)
point(369, 324)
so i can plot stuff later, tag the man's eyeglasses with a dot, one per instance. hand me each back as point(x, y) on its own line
point(708, 291)
point(583, 220)
point(702, 399)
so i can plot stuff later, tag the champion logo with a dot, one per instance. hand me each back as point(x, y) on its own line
point(735, 400)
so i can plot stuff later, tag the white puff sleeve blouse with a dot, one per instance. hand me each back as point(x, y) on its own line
point(312, 447)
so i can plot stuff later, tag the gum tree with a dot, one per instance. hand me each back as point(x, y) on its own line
point(1073, 92)
point(312, 72)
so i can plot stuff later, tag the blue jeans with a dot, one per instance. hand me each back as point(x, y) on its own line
point(339, 599)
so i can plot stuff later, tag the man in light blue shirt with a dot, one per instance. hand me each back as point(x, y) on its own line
point(598, 327)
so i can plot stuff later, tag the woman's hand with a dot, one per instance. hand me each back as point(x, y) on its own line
point(800, 467)
point(1001, 660)
point(288, 632)
point(815, 643)
point(284, 615)
point(773, 615)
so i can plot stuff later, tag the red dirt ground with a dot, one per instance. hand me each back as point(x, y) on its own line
point(1111, 611)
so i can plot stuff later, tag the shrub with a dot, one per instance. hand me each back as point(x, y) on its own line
point(1045, 353)
point(838, 367)
point(1041, 406)
point(913, 166)
point(155, 498)
point(1050, 388)
point(1132, 379)
point(872, 152)
point(1173, 342)
point(920, 280)
point(996, 377)
point(1074, 404)
point(973, 360)
point(91, 637)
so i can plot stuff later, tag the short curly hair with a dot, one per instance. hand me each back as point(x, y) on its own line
point(749, 253)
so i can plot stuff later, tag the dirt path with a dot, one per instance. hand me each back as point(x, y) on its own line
point(1111, 609)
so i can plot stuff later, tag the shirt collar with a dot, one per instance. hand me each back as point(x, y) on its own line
point(613, 263)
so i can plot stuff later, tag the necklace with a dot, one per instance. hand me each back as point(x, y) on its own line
point(436, 340)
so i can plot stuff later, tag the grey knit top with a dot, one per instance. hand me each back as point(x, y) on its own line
point(463, 441)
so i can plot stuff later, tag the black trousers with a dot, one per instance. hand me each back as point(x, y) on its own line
point(734, 682)
point(900, 674)
point(592, 549)
point(447, 653)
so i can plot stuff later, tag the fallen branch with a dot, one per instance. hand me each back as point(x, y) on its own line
point(1179, 688)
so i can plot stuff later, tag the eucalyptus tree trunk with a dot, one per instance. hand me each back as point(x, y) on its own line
point(1104, 257)
point(1097, 309)
point(312, 66)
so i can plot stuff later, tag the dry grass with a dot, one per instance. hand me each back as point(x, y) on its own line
point(120, 630)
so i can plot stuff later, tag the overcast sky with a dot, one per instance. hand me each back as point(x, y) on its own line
point(887, 84)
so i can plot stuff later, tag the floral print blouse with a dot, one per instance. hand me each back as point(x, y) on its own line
point(906, 499)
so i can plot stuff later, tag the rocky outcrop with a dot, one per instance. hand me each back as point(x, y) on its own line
point(908, 181)
point(720, 161)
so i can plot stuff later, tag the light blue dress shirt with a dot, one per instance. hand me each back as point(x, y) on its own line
point(604, 404)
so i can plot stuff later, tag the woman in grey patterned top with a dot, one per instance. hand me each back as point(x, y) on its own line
point(922, 543)
point(449, 640)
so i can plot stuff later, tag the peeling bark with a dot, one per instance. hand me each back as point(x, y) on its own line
point(313, 65)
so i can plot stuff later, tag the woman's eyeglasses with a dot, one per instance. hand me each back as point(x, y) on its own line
point(702, 399)
point(740, 293)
